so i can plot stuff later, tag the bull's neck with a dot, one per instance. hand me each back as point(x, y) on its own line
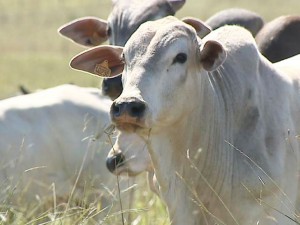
point(192, 159)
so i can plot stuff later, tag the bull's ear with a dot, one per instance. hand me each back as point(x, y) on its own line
point(212, 55)
point(103, 61)
point(87, 31)
point(176, 4)
point(201, 28)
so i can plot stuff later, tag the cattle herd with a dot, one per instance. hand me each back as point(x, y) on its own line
point(208, 110)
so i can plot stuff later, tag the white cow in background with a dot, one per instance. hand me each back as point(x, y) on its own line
point(51, 138)
point(129, 156)
point(127, 15)
point(279, 38)
point(220, 121)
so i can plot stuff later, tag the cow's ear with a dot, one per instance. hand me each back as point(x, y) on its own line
point(87, 31)
point(212, 55)
point(176, 4)
point(103, 61)
point(201, 28)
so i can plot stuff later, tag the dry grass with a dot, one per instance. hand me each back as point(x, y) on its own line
point(92, 206)
point(34, 55)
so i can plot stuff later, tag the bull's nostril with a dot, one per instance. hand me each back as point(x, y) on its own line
point(112, 163)
point(136, 109)
point(116, 110)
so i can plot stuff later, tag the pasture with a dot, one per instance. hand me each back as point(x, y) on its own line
point(34, 55)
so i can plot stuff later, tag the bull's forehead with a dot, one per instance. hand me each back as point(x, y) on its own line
point(157, 38)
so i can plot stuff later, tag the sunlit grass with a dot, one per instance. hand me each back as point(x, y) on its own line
point(34, 55)
point(143, 208)
point(39, 71)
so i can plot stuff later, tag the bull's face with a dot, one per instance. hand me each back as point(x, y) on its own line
point(162, 63)
point(154, 79)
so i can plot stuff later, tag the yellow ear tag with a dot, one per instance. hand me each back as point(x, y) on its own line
point(102, 69)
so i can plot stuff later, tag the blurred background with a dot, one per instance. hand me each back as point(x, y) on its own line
point(33, 54)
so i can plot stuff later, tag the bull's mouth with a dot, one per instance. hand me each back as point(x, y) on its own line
point(129, 126)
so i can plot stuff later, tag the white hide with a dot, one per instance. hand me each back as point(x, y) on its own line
point(228, 129)
point(47, 136)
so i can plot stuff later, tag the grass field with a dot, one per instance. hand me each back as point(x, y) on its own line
point(34, 55)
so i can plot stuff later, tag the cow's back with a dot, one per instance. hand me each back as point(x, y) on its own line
point(279, 39)
point(45, 136)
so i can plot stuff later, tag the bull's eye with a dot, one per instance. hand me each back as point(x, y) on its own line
point(180, 58)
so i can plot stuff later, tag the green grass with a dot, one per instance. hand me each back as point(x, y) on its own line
point(33, 54)
point(36, 71)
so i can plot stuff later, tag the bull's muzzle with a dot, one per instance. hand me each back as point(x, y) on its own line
point(115, 161)
point(130, 112)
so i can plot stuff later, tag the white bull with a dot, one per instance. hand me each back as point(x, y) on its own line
point(132, 149)
point(220, 121)
point(51, 138)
